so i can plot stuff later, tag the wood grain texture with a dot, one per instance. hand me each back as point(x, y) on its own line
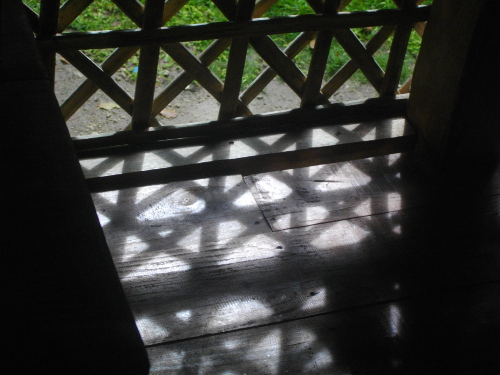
point(271, 123)
point(245, 156)
point(444, 332)
point(248, 280)
point(333, 192)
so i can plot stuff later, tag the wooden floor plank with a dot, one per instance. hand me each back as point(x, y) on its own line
point(306, 196)
point(455, 332)
point(201, 287)
point(185, 213)
point(246, 147)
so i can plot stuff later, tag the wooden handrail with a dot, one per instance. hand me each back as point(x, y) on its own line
point(233, 29)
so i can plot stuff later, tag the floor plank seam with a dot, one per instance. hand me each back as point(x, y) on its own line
point(342, 310)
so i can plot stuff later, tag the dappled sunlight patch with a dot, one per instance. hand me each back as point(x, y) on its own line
point(268, 362)
point(252, 248)
point(184, 315)
point(321, 138)
point(132, 246)
point(342, 233)
point(103, 220)
point(192, 241)
point(153, 161)
point(181, 201)
point(392, 159)
point(228, 230)
point(315, 214)
point(109, 196)
point(236, 313)
point(319, 360)
point(146, 191)
point(148, 328)
point(394, 201)
point(394, 317)
point(364, 208)
point(188, 151)
point(158, 265)
point(316, 300)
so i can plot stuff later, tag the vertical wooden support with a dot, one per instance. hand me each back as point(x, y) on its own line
point(319, 59)
point(397, 55)
point(454, 99)
point(49, 19)
point(148, 64)
point(236, 64)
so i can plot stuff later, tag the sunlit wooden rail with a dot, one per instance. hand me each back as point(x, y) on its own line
point(244, 27)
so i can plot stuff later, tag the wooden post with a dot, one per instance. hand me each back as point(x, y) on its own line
point(49, 16)
point(148, 64)
point(454, 102)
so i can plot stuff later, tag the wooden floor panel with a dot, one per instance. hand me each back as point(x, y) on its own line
point(197, 259)
point(454, 332)
point(313, 195)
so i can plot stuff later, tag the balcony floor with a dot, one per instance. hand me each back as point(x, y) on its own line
point(358, 267)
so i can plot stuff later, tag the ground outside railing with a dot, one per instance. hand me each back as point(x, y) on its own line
point(244, 28)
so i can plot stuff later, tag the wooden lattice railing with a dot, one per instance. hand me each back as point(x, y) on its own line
point(244, 27)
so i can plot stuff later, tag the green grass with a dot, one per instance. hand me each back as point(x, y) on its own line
point(104, 15)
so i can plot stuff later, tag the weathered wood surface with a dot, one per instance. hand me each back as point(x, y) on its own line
point(253, 276)
point(246, 156)
point(272, 123)
point(189, 213)
point(306, 196)
point(257, 27)
point(451, 332)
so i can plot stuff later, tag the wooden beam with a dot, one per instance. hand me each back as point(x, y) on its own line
point(148, 65)
point(301, 118)
point(453, 103)
point(255, 164)
point(257, 27)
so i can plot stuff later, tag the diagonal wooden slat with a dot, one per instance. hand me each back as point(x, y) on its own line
point(148, 65)
point(273, 56)
point(206, 58)
point(119, 57)
point(256, 87)
point(69, 11)
point(89, 87)
point(236, 64)
point(182, 56)
point(291, 51)
point(419, 28)
point(349, 68)
point(32, 18)
point(319, 59)
point(100, 78)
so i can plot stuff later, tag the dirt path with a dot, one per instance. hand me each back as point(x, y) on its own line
point(194, 104)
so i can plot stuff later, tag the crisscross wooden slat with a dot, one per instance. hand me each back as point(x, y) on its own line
point(293, 49)
point(119, 57)
point(182, 56)
point(107, 84)
point(148, 65)
point(236, 64)
point(397, 55)
point(69, 11)
point(273, 55)
point(206, 58)
point(349, 68)
point(89, 87)
point(256, 87)
point(319, 59)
